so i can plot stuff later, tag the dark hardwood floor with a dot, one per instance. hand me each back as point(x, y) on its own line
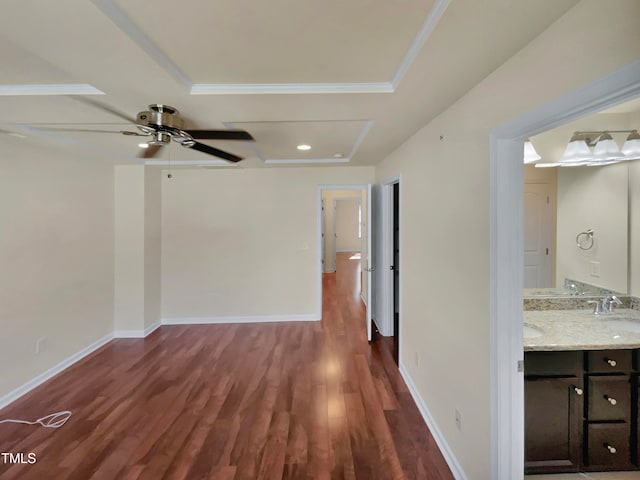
point(307, 400)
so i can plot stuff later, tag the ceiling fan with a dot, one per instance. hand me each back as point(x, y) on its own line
point(163, 123)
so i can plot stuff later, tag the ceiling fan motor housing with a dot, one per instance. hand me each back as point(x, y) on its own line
point(160, 115)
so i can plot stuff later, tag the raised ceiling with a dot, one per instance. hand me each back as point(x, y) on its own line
point(353, 79)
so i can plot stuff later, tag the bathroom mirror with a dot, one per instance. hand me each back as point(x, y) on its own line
point(577, 219)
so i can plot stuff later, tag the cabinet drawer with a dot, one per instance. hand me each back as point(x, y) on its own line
point(608, 446)
point(553, 363)
point(608, 361)
point(609, 398)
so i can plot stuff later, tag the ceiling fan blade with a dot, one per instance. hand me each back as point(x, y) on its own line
point(105, 107)
point(201, 147)
point(150, 151)
point(88, 130)
point(220, 134)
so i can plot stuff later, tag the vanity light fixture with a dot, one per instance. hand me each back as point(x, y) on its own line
point(530, 154)
point(631, 147)
point(605, 150)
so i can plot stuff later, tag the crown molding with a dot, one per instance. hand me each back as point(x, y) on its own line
point(128, 26)
point(50, 89)
point(293, 161)
point(288, 88)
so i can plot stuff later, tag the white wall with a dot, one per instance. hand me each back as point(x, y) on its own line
point(137, 259)
point(244, 243)
point(445, 216)
point(347, 225)
point(593, 198)
point(56, 252)
point(129, 247)
point(153, 246)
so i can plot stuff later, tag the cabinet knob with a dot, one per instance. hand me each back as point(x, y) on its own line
point(611, 362)
point(577, 390)
point(611, 448)
point(611, 400)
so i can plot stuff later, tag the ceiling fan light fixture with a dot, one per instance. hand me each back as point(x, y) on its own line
point(143, 145)
point(160, 138)
point(530, 154)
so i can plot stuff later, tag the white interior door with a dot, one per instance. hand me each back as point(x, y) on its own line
point(369, 267)
point(538, 236)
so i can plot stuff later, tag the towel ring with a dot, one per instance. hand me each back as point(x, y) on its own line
point(584, 240)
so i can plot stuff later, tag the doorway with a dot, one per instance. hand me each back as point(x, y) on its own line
point(389, 300)
point(395, 267)
point(329, 197)
point(507, 262)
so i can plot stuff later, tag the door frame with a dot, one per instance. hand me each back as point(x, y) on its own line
point(385, 231)
point(319, 221)
point(507, 256)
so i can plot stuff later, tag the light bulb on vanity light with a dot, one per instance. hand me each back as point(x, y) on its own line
point(530, 154)
point(606, 151)
point(631, 148)
point(577, 152)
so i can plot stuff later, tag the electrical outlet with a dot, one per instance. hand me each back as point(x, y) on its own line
point(458, 417)
point(594, 268)
point(41, 345)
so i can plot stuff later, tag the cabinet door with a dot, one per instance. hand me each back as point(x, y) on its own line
point(553, 421)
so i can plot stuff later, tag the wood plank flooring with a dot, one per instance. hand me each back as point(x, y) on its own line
point(297, 400)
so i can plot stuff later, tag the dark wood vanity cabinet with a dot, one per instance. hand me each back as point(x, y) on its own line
point(553, 397)
point(581, 411)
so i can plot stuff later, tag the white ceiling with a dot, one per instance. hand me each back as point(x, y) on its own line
point(352, 78)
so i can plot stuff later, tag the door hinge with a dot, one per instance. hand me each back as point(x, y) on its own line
point(520, 366)
point(547, 251)
point(547, 199)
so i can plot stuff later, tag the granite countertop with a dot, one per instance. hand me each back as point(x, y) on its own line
point(581, 330)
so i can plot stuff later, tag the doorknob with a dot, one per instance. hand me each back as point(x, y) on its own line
point(392, 267)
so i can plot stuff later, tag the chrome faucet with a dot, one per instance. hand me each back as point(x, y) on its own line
point(597, 308)
point(605, 304)
point(609, 303)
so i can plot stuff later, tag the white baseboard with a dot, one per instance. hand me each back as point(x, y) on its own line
point(43, 377)
point(137, 333)
point(347, 250)
point(364, 299)
point(313, 317)
point(456, 469)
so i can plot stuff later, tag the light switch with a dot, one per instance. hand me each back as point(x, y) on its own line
point(594, 268)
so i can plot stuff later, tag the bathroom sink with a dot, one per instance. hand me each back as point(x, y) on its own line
point(623, 324)
point(533, 332)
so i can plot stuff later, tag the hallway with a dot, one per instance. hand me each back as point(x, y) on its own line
point(297, 400)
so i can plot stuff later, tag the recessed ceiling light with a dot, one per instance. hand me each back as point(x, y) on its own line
point(304, 147)
point(143, 145)
point(338, 155)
